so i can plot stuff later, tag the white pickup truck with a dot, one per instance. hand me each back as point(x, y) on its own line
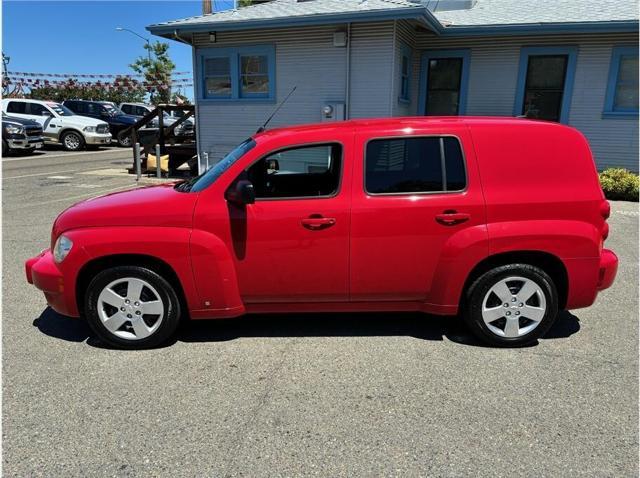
point(60, 124)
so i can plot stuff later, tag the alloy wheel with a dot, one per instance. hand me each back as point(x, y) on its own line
point(72, 141)
point(514, 307)
point(130, 308)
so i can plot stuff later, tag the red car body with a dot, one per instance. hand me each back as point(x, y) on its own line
point(531, 192)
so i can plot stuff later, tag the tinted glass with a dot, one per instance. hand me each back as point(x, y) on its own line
point(454, 164)
point(311, 171)
point(626, 97)
point(544, 87)
point(126, 109)
point(218, 76)
point(403, 166)
point(443, 86)
point(254, 74)
point(38, 109)
point(17, 107)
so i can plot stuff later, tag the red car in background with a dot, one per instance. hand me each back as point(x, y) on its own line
point(500, 220)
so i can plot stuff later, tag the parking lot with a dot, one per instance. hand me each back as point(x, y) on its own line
point(328, 395)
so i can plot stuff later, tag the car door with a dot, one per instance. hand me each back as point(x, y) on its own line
point(412, 193)
point(292, 244)
point(46, 117)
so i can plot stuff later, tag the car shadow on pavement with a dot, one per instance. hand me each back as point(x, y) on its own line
point(419, 326)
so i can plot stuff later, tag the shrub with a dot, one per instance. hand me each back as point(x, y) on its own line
point(619, 183)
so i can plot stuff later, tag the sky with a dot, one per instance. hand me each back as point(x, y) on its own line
point(80, 36)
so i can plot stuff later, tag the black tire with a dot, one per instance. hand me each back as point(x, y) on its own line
point(72, 141)
point(5, 148)
point(124, 140)
point(475, 296)
point(169, 321)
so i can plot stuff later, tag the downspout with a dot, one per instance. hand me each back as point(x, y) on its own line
point(347, 93)
point(393, 67)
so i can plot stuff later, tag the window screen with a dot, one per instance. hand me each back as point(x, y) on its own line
point(544, 87)
point(310, 171)
point(626, 94)
point(217, 73)
point(254, 75)
point(414, 165)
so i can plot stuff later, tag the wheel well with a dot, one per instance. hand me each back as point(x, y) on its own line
point(91, 268)
point(69, 129)
point(549, 263)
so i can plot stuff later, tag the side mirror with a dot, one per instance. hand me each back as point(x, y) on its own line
point(241, 193)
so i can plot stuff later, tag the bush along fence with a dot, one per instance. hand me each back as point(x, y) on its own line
point(619, 184)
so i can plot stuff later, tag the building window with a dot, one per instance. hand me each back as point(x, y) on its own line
point(414, 165)
point(622, 88)
point(405, 74)
point(444, 82)
point(243, 73)
point(545, 83)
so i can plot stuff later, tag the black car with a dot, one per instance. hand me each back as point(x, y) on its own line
point(20, 134)
point(105, 111)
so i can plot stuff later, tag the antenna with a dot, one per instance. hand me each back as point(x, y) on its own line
point(264, 126)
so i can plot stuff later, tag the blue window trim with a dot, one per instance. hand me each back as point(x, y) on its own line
point(407, 53)
point(465, 54)
point(234, 54)
point(614, 68)
point(572, 59)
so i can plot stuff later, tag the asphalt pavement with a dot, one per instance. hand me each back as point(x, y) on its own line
point(305, 395)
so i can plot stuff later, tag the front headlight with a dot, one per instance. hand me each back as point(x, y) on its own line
point(14, 129)
point(62, 248)
point(89, 129)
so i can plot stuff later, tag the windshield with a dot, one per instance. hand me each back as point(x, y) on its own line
point(110, 109)
point(206, 179)
point(60, 110)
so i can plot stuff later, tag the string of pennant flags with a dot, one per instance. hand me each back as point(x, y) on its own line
point(119, 81)
point(73, 75)
point(106, 86)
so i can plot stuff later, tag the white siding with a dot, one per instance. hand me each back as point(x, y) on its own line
point(493, 80)
point(306, 58)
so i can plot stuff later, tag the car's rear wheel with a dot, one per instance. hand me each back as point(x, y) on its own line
point(132, 307)
point(124, 139)
point(72, 141)
point(511, 305)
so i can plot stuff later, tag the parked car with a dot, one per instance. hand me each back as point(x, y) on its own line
point(20, 135)
point(501, 220)
point(60, 124)
point(119, 123)
point(140, 109)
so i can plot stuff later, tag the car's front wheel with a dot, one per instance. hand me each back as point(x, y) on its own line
point(72, 141)
point(132, 307)
point(124, 139)
point(511, 305)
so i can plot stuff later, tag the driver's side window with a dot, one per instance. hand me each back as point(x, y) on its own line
point(39, 110)
point(301, 172)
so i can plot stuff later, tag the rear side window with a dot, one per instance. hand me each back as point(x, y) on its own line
point(414, 165)
point(17, 107)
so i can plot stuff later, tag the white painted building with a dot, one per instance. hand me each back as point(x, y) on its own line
point(570, 61)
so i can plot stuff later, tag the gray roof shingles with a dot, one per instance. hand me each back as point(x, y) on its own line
point(518, 12)
point(484, 12)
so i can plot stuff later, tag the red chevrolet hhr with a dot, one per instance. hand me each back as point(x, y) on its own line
point(500, 220)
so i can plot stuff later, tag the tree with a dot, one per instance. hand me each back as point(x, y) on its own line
point(157, 69)
point(121, 90)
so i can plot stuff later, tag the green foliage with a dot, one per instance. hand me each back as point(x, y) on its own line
point(120, 91)
point(156, 67)
point(619, 183)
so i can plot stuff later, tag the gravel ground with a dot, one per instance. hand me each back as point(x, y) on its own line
point(328, 395)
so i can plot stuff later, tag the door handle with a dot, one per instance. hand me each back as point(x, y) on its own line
point(316, 223)
point(451, 218)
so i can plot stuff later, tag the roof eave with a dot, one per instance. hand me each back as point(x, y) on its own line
point(612, 26)
point(418, 13)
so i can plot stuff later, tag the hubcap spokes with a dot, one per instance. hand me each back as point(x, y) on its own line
point(130, 308)
point(71, 141)
point(514, 307)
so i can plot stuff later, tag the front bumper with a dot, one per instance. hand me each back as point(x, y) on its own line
point(608, 269)
point(43, 273)
point(29, 142)
point(92, 138)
